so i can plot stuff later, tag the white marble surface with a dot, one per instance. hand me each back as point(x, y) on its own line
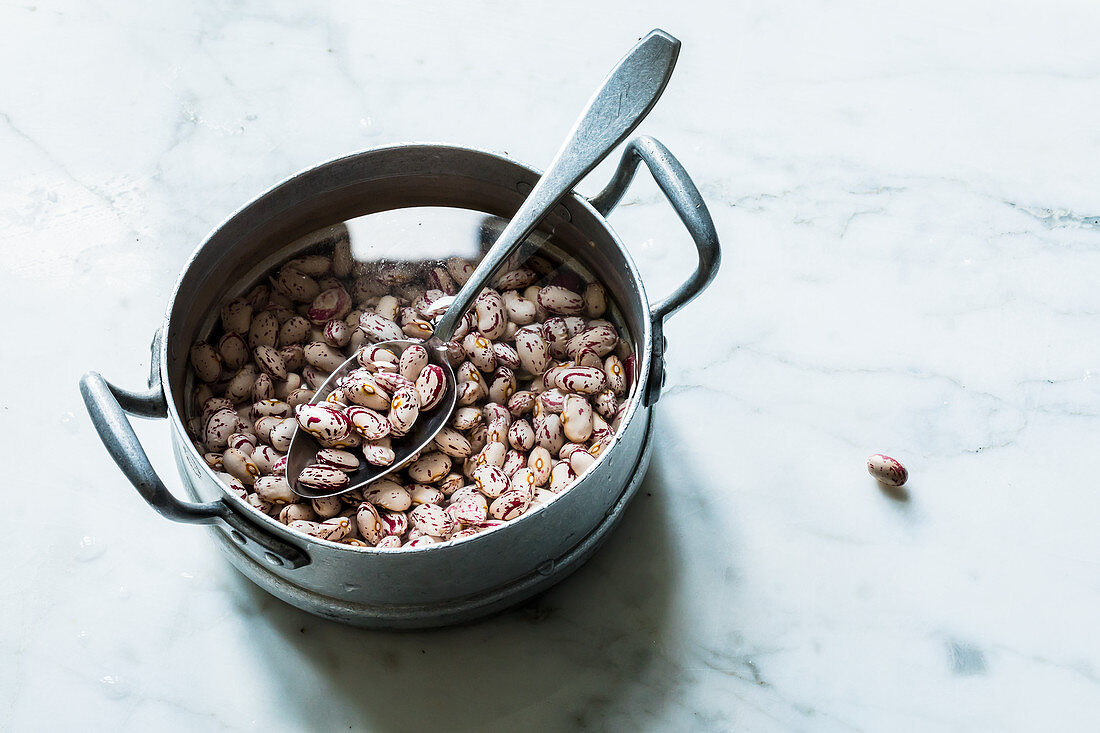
point(909, 199)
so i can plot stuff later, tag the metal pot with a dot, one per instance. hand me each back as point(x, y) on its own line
point(435, 585)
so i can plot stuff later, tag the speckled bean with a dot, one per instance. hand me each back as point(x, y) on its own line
point(425, 494)
point(510, 505)
point(497, 430)
point(404, 410)
point(270, 408)
point(451, 483)
point(294, 330)
point(219, 427)
point(887, 470)
point(479, 350)
point(341, 459)
point(533, 351)
point(432, 520)
point(429, 468)
point(323, 422)
point(275, 490)
point(616, 374)
point(412, 361)
point(270, 361)
point(431, 385)
point(206, 361)
point(388, 495)
point(502, 385)
point(238, 464)
point(336, 528)
point(233, 350)
point(549, 433)
point(361, 388)
point(518, 309)
point(300, 396)
point(491, 320)
point(561, 476)
point(236, 316)
point(373, 354)
point(506, 356)
point(521, 435)
point(492, 454)
point(369, 522)
point(296, 285)
point(379, 452)
point(282, 433)
point(601, 431)
point(378, 328)
point(580, 460)
point(264, 456)
point(323, 478)
point(559, 300)
point(576, 418)
point(327, 507)
point(540, 462)
point(259, 504)
point(336, 333)
point(301, 512)
point(470, 509)
point(440, 279)
point(394, 524)
point(523, 481)
point(452, 443)
point(392, 381)
point(490, 480)
point(586, 380)
point(513, 461)
point(242, 441)
point(595, 300)
point(264, 330)
point(334, 303)
point(466, 418)
point(368, 423)
point(322, 356)
point(263, 388)
point(312, 265)
point(606, 404)
point(521, 403)
point(520, 277)
point(550, 402)
point(293, 357)
point(556, 335)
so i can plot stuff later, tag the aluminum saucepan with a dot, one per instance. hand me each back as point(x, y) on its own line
point(434, 585)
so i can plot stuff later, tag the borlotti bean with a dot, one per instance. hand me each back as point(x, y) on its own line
point(885, 469)
point(543, 377)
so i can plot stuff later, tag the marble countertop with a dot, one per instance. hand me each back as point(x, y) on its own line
point(909, 204)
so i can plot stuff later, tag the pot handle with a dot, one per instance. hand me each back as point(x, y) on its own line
point(107, 406)
point(685, 198)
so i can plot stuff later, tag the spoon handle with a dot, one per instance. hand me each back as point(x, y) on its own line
point(621, 102)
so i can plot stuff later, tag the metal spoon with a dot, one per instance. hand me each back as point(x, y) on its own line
point(626, 96)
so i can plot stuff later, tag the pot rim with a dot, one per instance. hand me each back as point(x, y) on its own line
point(643, 340)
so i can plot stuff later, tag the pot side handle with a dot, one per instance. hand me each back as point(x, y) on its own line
point(685, 198)
point(107, 406)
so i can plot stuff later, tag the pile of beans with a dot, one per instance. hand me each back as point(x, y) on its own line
point(543, 380)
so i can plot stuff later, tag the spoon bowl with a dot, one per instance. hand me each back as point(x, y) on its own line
point(304, 447)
